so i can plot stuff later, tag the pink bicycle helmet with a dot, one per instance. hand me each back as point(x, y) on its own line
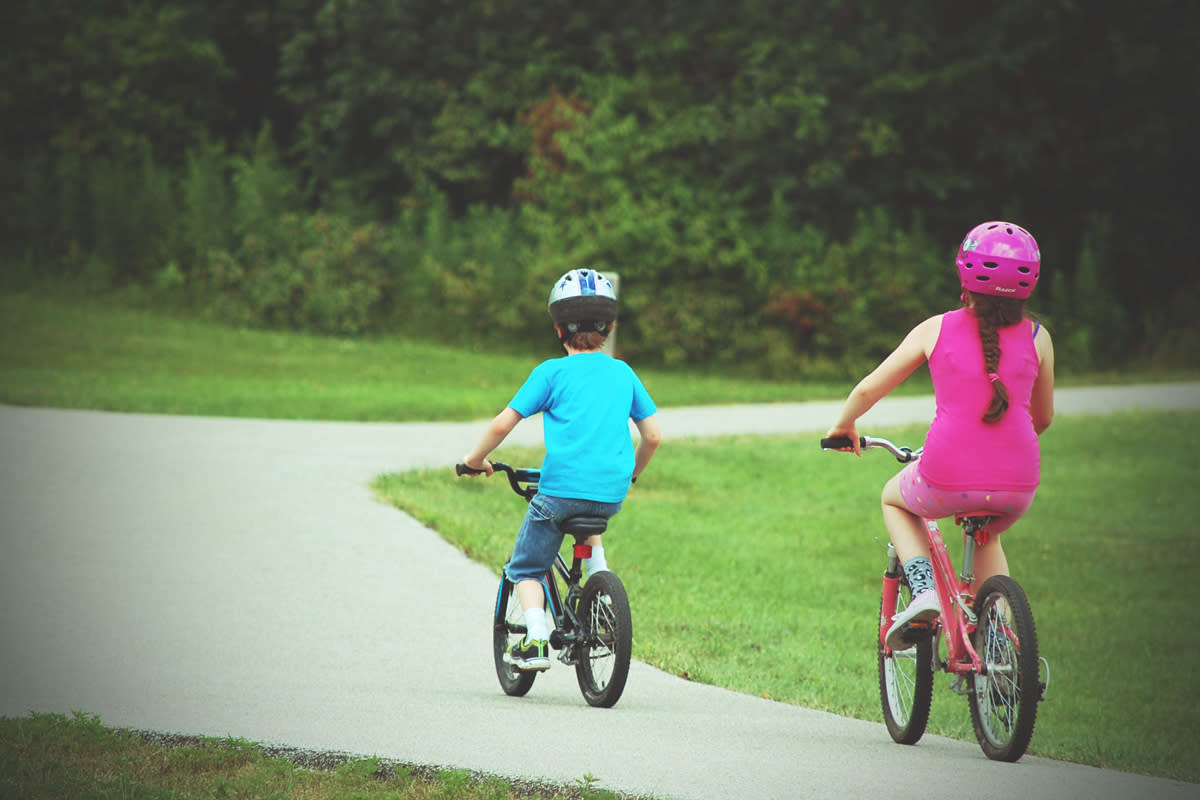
point(999, 258)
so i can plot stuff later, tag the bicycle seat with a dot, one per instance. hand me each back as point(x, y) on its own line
point(584, 525)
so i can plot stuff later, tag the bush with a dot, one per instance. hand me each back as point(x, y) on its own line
point(316, 273)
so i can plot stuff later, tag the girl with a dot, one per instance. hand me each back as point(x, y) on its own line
point(993, 382)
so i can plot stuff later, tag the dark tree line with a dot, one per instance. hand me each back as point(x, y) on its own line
point(779, 184)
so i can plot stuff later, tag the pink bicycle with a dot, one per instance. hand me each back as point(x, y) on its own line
point(985, 640)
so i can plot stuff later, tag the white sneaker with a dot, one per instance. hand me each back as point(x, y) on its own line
point(923, 608)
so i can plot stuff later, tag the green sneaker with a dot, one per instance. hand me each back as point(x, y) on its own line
point(529, 655)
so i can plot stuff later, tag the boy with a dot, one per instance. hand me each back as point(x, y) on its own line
point(586, 399)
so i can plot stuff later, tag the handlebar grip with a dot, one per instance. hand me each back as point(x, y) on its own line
point(463, 469)
point(838, 442)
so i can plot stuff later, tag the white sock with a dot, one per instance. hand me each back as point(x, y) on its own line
point(536, 626)
point(596, 562)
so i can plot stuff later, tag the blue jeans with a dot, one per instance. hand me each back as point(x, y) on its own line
point(539, 539)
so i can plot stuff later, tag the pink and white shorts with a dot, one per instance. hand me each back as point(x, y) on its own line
point(931, 503)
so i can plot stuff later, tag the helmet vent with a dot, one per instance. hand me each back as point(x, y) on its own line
point(1023, 270)
point(991, 264)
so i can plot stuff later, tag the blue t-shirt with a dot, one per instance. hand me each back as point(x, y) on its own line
point(586, 401)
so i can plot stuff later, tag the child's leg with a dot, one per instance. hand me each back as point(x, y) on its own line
point(596, 561)
point(533, 602)
point(537, 544)
point(905, 529)
point(930, 502)
point(990, 560)
point(531, 595)
point(908, 534)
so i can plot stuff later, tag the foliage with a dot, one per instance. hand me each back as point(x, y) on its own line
point(780, 190)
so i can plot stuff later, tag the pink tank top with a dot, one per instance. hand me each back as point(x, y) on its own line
point(961, 451)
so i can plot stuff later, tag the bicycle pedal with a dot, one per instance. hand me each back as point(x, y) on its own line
point(917, 631)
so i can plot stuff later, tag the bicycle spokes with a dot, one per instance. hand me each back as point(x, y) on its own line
point(601, 633)
point(1007, 689)
point(905, 676)
point(1002, 654)
point(605, 641)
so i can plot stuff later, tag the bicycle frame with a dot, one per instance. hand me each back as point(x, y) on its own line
point(957, 621)
point(955, 592)
point(562, 608)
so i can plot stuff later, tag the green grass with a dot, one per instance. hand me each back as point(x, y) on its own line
point(108, 353)
point(753, 563)
point(66, 352)
point(52, 756)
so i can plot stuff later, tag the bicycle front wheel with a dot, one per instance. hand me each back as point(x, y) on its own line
point(605, 639)
point(905, 681)
point(508, 628)
point(1005, 696)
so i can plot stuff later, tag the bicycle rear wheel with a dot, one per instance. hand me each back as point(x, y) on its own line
point(1005, 697)
point(508, 628)
point(605, 639)
point(905, 681)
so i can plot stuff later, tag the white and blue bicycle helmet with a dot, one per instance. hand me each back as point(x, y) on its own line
point(583, 300)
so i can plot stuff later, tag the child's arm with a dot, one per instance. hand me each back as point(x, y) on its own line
point(910, 354)
point(651, 436)
point(497, 429)
point(1041, 406)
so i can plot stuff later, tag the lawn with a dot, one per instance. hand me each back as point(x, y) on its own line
point(753, 562)
point(765, 580)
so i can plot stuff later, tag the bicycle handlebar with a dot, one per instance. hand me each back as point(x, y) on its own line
point(516, 477)
point(902, 454)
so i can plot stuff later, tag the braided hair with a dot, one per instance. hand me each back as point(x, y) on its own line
point(992, 313)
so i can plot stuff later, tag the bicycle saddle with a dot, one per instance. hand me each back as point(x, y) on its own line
point(584, 525)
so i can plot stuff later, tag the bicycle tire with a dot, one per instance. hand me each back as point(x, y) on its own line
point(1004, 698)
point(508, 628)
point(905, 681)
point(605, 640)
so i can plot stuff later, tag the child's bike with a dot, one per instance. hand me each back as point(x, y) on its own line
point(593, 627)
point(985, 640)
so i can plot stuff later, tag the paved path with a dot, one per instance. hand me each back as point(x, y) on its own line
point(234, 577)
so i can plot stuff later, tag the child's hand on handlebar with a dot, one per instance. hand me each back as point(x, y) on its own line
point(850, 432)
point(477, 467)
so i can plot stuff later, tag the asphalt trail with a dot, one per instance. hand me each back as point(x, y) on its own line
point(229, 577)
